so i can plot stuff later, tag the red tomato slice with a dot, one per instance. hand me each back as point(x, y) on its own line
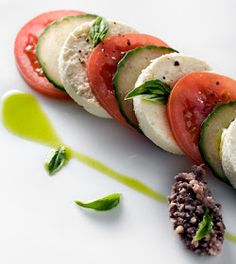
point(193, 97)
point(25, 55)
point(102, 66)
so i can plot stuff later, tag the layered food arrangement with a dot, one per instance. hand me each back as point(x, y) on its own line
point(176, 100)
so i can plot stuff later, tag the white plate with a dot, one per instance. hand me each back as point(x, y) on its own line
point(39, 222)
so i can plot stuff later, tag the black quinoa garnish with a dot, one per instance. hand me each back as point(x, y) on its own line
point(176, 63)
point(188, 202)
point(128, 42)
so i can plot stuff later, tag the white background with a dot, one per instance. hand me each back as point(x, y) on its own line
point(39, 222)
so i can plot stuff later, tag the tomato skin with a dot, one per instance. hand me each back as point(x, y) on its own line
point(102, 66)
point(24, 51)
point(191, 100)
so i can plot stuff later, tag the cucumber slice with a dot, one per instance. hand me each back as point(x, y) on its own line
point(128, 70)
point(210, 137)
point(51, 41)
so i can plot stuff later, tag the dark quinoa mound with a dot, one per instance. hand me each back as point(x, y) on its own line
point(188, 202)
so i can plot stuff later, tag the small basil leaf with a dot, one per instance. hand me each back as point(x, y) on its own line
point(205, 226)
point(98, 30)
point(56, 160)
point(103, 204)
point(153, 90)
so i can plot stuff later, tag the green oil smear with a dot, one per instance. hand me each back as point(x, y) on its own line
point(231, 237)
point(128, 181)
point(23, 116)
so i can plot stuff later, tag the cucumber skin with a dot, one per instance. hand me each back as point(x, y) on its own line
point(120, 65)
point(204, 127)
point(57, 85)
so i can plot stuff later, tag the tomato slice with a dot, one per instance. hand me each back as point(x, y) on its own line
point(102, 65)
point(25, 54)
point(193, 97)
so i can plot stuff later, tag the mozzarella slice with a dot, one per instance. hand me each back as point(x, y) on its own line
point(228, 152)
point(151, 116)
point(73, 65)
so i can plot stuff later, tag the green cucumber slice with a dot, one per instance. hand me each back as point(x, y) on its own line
point(51, 41)
point(128, 70)
point(210, 137)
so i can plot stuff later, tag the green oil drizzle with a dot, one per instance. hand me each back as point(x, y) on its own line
point(231, 237)
point(23, 116)
point(128, 181)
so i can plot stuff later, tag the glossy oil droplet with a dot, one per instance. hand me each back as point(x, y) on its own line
point(23, 116)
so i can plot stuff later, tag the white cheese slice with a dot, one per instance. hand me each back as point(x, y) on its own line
point(152, 117)
point(73, 65)
point(228, 152)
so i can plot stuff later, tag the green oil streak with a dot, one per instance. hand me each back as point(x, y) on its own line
point(130, 182)
point(231, 237)
point(23, 116)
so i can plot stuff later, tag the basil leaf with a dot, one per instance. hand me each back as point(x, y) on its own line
point(153, 90)
point(56, 160)
point(98, 30)
point(205, 226)
point(103, 204)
